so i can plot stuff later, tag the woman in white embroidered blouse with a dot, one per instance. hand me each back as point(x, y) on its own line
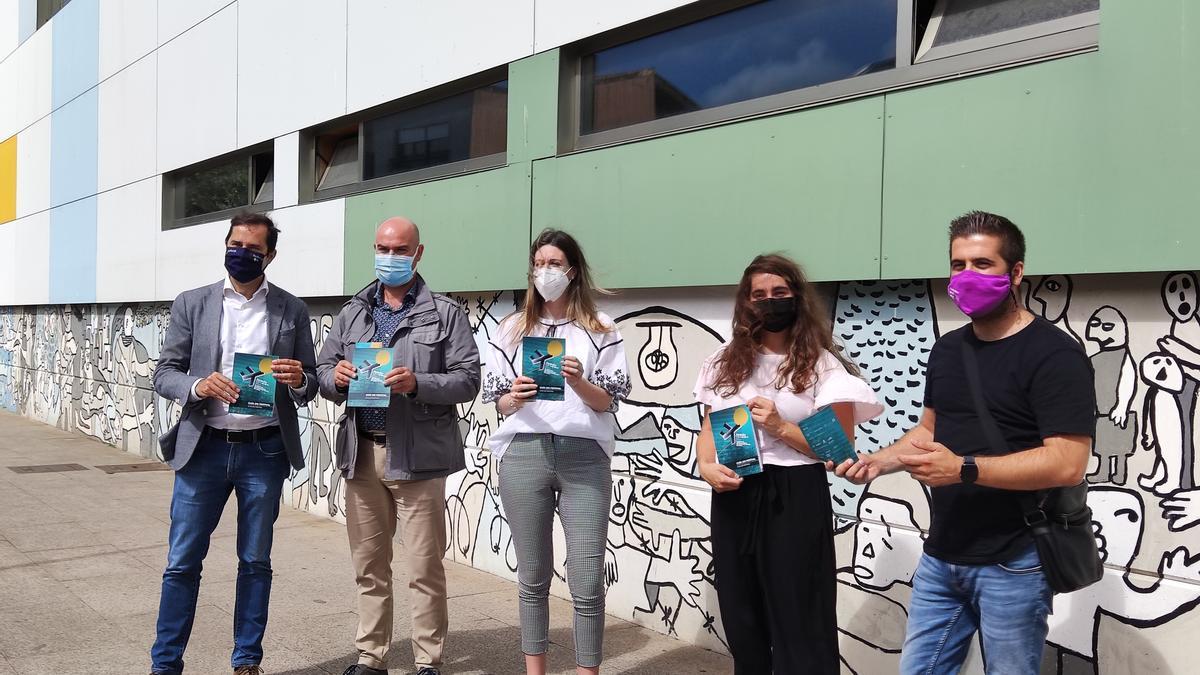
point(558, 452)
point(772, 532)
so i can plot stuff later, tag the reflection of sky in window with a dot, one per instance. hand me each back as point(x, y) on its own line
point(765, 48)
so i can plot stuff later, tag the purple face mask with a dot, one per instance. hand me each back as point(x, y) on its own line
point(977, 294)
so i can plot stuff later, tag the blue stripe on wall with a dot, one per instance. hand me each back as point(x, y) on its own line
point(26, 19)
point(74, 150)
point(73, 252)
point(76, 50)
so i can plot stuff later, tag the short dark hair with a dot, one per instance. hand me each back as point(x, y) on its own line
point(1012, 241)
point(255, 219)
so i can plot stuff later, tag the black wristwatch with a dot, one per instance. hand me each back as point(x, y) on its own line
point(969, 473)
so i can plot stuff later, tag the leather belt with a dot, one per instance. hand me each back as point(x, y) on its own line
point(243, 435)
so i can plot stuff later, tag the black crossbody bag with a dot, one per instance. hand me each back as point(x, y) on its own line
point(1058, 518)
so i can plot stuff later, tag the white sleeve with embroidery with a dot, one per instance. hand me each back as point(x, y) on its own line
point(499, 371)
point(611, 372)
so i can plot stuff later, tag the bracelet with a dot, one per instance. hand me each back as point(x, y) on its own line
point(512, 404)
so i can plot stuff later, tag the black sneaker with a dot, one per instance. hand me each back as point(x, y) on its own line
point(427, 670)
point(248, 670)
point(360, 669)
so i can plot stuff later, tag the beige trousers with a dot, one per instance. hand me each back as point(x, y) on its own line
point(373, 508)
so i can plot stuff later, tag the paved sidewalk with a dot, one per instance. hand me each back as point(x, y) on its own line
point(81, 559)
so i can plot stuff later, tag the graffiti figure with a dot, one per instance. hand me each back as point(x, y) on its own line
point(1167, 424)
point(1051, 299)
point(1116, 386)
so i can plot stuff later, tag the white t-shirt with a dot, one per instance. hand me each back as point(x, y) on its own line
point(833, 385)
point(602, 356)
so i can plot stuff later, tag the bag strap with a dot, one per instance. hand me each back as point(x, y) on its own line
point(1031, 505)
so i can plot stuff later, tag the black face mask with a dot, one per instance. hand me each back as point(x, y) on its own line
point(777, 314)
point(243, 264)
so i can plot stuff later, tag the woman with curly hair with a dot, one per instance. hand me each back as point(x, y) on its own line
point(772, 532)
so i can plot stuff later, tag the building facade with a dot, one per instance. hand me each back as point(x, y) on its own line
point(676, 140)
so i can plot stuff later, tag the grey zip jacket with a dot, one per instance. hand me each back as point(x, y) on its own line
point(434, 340)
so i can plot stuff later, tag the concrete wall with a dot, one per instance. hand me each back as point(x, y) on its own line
point(87, 368)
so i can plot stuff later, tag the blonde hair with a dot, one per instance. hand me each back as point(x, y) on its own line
point(581, 304)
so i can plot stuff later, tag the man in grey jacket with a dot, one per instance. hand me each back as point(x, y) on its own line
point(396, 459)
point(215, 450)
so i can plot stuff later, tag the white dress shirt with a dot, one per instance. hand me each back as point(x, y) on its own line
point(245, 329)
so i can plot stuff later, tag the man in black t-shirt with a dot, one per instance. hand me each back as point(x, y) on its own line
point(981, 570)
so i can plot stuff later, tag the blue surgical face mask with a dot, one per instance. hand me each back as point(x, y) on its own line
point(393, 270)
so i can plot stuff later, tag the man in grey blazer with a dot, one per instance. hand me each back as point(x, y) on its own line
point(215, 452)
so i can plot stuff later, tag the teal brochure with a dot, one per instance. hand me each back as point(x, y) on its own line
point(733, 434)
point(826, 438)
point(252, 374)
point(541, 361)
point(373, 361)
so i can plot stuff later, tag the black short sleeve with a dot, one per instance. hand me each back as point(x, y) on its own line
point(1062, 393)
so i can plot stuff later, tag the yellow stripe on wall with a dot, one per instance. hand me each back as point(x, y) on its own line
point(8, 180)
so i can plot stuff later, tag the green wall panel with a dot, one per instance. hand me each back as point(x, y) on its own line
point(693, 209)
point(533, 107)
point(1092, 155)
point(475, 229)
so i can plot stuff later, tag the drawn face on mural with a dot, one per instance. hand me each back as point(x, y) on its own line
point(1117, 517)
point(1163, 372)
point(1052, 296)
point(1108, 329)
point(127, 328)
point(1179, 296)
point(881, 556)
point(622, 501)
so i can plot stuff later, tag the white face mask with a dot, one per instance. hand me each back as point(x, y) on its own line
point(550, 282)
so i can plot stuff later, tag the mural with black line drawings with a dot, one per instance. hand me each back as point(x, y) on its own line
point(87, 369)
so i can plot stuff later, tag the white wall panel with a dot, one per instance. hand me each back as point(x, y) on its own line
point(291, 65)
point(128, 31)
point(177, 16)
point(287, 170)
point(189, 257)
point(127, 225)
point(128, 118)
point(33, 168)
point(197, 93)
point(10, 28)
point(311, 249)
point(25, 79)
point(31, 260)
point(8, 251)
point(394, 52)
point(560, 22)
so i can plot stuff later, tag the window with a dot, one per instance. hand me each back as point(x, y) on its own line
point(46, 9)
point(958, 26)
point(212, 190)
point(758, 50)
point(462, 127)
point(714, 61)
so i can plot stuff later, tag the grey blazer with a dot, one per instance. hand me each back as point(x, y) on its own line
point(192, 351)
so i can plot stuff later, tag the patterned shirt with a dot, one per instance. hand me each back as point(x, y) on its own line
point(387, 322)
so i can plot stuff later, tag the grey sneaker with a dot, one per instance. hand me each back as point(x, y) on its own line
point(248, 670)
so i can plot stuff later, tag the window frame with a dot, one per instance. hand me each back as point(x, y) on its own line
point(308, 174)
point(172, 205)
point(1030, 44)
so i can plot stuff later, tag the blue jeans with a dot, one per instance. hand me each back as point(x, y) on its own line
point(1008, 604)
point(255, 473)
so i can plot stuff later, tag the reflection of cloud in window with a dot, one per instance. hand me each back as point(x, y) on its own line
point(812, 64)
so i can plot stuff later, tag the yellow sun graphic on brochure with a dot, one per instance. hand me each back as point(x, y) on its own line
point(264, 365)
point(741, 416)
point(555, 348)
point(383, 358)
